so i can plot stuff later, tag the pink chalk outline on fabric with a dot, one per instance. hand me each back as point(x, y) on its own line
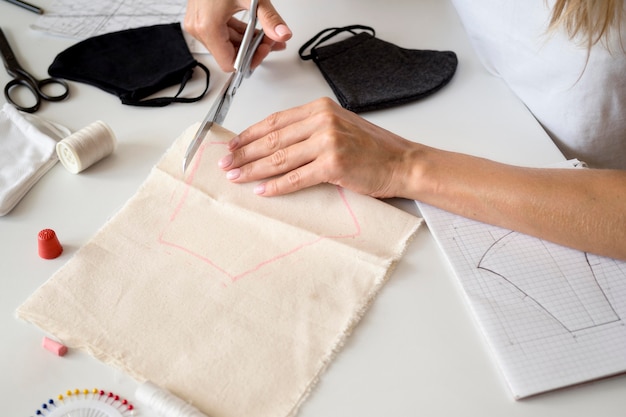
point(260, 265)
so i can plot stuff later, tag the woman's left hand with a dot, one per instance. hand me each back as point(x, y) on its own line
point(320, 142)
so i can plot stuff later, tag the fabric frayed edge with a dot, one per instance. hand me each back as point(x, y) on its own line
point(353, 323)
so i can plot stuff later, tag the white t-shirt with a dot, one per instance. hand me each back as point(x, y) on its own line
point(580, 103)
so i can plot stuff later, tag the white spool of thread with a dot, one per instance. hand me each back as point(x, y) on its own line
point(165, 404)
point(85, 147)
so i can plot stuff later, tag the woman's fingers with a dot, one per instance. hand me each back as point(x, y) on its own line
point(315, 143)
point(278, 131)
point(279, 162)
point(295, 180)
point(272, 23)
point(212, 23)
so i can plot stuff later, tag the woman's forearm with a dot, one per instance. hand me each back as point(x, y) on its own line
point(580, 208)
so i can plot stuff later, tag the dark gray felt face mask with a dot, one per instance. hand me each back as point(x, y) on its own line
point(367, 73)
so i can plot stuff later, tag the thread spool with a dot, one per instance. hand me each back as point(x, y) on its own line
point(85, 147)
point(165, 404)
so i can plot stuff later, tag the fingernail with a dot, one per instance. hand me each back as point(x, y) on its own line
point(233, 174)
point(259, 189)
point(282, 30)
point(225, 161)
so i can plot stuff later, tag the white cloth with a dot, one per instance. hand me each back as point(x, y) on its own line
point(231, 301)
point(581, 105)
point(27, 152)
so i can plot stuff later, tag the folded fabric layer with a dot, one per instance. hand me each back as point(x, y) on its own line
point(234, 302)
point(27, 152)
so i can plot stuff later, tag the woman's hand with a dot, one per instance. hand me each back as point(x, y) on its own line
point(321, 142)
point(212, 23)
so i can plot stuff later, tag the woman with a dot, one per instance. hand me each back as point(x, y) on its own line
point(322, 142)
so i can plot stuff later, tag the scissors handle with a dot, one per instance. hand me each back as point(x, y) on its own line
point(13, 87)
point(50, 89)
point(42, 87)
point(39, 89)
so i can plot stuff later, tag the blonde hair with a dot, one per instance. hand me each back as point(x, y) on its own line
point(588, 21)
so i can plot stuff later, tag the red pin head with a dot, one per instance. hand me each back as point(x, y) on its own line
point(49, 246)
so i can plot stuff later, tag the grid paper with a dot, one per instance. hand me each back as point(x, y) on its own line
point(552, 316)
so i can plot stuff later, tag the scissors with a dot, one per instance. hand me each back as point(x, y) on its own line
point(219, 109)
point(22, 79)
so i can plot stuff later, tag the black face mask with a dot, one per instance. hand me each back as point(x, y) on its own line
point(133, 64)
point(367, 73)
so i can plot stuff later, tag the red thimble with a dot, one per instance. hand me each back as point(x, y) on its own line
point(49, 246)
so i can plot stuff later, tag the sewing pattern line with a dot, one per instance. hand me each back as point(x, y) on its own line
point(81, 19)
point(581, 302)
point(552, 316)
point(206, 256)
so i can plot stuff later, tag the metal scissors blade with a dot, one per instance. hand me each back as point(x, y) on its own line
point(217, 114)
point(220, 107)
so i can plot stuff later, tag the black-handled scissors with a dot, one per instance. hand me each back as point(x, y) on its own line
point(22, 79)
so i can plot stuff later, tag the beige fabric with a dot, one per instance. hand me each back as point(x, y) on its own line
point(229, 300)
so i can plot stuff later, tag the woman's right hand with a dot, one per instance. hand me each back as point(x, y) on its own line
point(212, 23)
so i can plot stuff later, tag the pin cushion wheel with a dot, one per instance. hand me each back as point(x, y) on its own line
point(86, 403)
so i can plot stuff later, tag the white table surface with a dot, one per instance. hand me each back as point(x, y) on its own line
point(417, 351)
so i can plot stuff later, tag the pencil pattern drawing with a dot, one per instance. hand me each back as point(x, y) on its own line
point(572, 295)
point(552, 316)
point(81, 19)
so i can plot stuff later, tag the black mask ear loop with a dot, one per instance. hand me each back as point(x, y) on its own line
point(164, 101)
point(330, 33)
point(367, 73)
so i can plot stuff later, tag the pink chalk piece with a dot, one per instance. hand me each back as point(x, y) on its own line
point(54, 346)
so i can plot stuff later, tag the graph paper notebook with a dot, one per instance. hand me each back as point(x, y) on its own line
point(552, 316)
